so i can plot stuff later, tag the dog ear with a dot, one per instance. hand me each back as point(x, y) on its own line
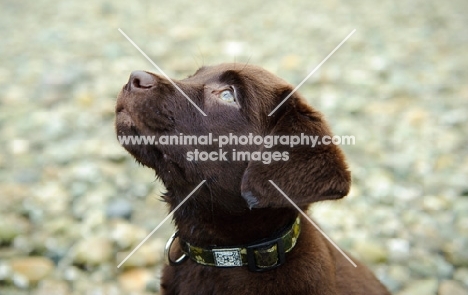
point(305, 173)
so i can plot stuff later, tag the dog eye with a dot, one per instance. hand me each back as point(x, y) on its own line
point(227, 95)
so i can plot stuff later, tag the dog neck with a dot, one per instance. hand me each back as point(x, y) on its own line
point(221, 228)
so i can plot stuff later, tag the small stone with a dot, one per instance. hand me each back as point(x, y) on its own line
point(378, 63)
point(85, 100)
point(52, 287)
point(97, 288)
point(148, 254)
point(120, 208)
point(14, 95)
point(234, 48)
point(399, 249)
point(32, 269)
point(126, 235)
point(135, 280)
point(12, 226)
point(59, 225)
point(450, 287)
point(291, 62)
point(85, 207)
point(434, 203)
point(86, 171)
point(24, 244)
point(93, 251)
point(460, 206)
point(5, 271)
point(371, 252)
point(462, 225)
point(153, 285)
point(455, 251)
point(93, 219)
point(461, 275)
point(17, 193)
point(20, 281)
point(398, 275)
point(72, 273)
point(429, 265)
point(6, 253)
point(420, 287)
point(19, 146)
point(444, 269)
point(52, 196)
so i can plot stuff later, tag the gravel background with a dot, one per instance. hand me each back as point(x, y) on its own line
point(73, 203)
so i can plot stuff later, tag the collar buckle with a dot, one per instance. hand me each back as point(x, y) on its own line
point(260, 258)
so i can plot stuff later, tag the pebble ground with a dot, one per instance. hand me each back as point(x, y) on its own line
point(73, 203)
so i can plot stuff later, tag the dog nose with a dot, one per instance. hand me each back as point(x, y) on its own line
point(140, 80)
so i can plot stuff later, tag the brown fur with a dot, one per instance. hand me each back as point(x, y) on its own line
point(237, 204)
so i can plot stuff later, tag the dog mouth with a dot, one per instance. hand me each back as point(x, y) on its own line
point(131, 111)
point(123, 118)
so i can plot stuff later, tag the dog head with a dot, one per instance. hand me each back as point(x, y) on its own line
point(236, 99)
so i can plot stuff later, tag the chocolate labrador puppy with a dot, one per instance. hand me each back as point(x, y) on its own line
point(244, 173)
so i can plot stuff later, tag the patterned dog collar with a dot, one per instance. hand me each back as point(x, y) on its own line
point(261, 256)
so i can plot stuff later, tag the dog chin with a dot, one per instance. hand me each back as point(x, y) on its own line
point(124, 123)
point(144, 156)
